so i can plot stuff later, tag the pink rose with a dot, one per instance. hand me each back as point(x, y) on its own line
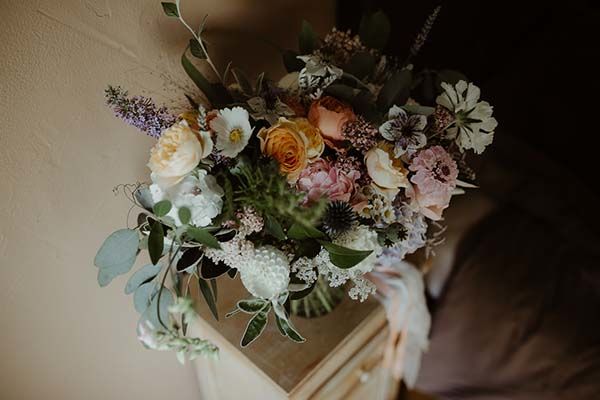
point(321, 179)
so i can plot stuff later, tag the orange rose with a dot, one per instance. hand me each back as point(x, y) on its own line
point(330, 115)
point(315, 145)
point(286, 143)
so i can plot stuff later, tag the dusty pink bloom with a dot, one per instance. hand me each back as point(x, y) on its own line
point(434, 180)
point(321, 179)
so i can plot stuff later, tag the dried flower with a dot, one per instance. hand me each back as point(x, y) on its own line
point(339, 46)
point(139, 111)
point(362, 134)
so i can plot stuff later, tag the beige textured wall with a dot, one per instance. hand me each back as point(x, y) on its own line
point(61, 153)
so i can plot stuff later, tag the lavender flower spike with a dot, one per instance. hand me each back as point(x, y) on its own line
point(139, 111)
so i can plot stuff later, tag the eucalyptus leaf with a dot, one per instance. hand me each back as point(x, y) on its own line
point(142, 296)
point(375, 30)
point(256, 326)
point(208, 297)
point(184, 215)
point(170, 9)
point(156, 241)
point(308, 39)
point(343, 257)
point(162, 208)
point(144, 197)
point(203, 236)
point(251, 306)
point(141, 276)
point(300, 232)
point(151, 312)
point(117, 255)
point(273, 227)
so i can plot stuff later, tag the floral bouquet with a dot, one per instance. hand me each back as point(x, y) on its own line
point(309, 188)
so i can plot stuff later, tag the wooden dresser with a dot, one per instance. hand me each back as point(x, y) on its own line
point(341, 358)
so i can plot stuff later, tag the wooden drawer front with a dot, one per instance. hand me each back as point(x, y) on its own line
point(363, 377)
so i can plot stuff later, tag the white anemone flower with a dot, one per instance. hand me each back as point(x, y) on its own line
point(233, 130)
point(473, 127)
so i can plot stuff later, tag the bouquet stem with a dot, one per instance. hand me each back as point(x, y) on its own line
point(321, 301)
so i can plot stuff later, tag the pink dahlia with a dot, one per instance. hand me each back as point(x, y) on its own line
point(321, 179)
point(434, 180)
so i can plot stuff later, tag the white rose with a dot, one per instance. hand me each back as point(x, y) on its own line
point(199, 192)
point(385, 170)
point(177, 153)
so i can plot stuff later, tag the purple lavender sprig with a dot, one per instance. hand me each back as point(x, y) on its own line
point(139, 111)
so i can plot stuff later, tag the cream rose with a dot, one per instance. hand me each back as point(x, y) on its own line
point(386, 171)
point(177, 153)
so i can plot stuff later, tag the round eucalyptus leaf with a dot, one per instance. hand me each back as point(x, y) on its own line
point(162, 208)
point(143, 296)
point(151, 312)
point(141, 276)
point(116, 255)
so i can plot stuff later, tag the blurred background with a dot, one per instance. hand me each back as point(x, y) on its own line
point(516, 304)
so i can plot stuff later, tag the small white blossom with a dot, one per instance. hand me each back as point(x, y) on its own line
point(266, 273)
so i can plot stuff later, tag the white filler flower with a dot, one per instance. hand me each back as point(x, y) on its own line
point(233, 130)
point(198, 191)
point(267, 273)
point(474, 125)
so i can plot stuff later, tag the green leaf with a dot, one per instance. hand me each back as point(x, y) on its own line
point(280, 327)
point(170, 9)
point(215, 289)
point(308, 39)
point(301, 232)
point(342, 92)
point(141, 276)
point(291, 61)
point(251, 306)
point(196, 49)
point(375, 30)
point(162, 208)
point(396, 90)
point(273, 227)
point(343, 257)
point(143, 296)
point(243, 81)
point(214, 92)
point(156, 242)
point(418, 109)
point(289, 330)
point(185, 215)
point(189, 259)
point(256, 326)
point(208, 297)
point(210, 269)
point(361, 64)
point(117, 255)
point(204, 237)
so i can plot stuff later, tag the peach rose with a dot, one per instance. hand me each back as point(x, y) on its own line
point(330, 115)
point(315, 145)
point(287, 144)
